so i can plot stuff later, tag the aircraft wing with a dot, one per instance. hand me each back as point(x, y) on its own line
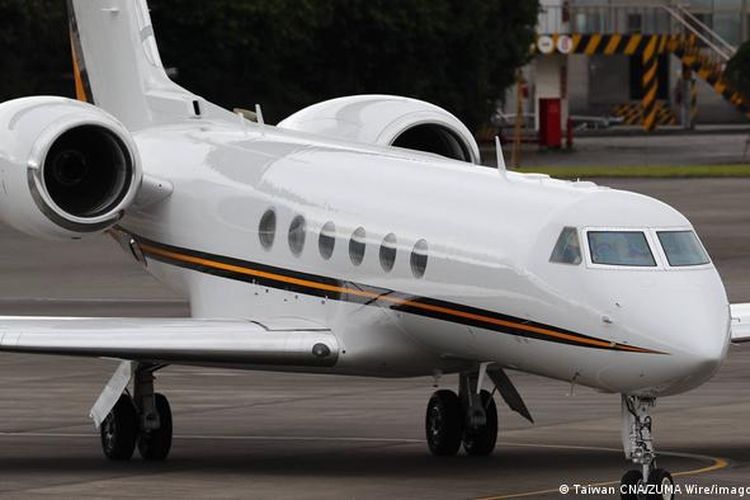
point(740, 323)
point(285, 342)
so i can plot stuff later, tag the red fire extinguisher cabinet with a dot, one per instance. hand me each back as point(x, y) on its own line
point(550, 128)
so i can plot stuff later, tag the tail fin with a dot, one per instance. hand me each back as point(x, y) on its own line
point(118, 68)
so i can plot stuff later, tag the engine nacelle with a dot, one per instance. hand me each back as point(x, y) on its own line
point(388, 121)
point(67, 168)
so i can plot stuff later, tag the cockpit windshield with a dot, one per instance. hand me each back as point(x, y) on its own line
point(620, 248)
point(682, 248)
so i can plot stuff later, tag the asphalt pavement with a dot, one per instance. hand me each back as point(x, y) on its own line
point(262, 435)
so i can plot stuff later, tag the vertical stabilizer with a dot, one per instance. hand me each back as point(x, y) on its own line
point(118, 68)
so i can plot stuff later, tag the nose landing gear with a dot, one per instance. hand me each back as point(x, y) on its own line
point(648, 481)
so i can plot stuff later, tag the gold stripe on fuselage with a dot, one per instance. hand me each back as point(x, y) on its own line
point(378, 296)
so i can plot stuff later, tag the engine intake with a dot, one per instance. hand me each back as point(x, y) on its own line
point(388, 121)
point(68, 168)
point(87, 171)
point(434, 138)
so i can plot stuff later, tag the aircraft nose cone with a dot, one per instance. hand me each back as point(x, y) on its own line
point(700, 341)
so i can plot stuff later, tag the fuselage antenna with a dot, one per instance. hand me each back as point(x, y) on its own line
point(500, 158)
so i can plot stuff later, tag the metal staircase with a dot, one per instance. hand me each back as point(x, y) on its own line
point(706, 53)
point(701, 49)
point(712, 72)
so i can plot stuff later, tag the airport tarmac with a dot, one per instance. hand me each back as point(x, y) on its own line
point(723, 148)
point(262, 435)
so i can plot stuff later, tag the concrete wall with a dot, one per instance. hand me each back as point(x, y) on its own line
point(609, 82)
point(578, 83)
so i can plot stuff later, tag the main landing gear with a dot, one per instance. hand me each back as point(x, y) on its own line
point(468, 418)
point(639, 448)
point(143, 420)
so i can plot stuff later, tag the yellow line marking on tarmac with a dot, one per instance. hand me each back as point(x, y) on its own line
point(718, 463)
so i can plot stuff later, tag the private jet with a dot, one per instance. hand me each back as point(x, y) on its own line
point(359, 236)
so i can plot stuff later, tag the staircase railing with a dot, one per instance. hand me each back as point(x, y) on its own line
point(665, 17)
point(720, 47)
point(731, 49)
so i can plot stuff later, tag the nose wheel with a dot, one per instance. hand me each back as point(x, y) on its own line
point(634, 488)
point(647, 482)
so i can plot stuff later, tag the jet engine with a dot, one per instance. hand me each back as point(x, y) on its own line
point(67, 168)
point(388, 121)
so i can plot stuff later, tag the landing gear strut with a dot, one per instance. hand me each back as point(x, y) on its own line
point(468, 418)
point(639, 448)
point(145, 420)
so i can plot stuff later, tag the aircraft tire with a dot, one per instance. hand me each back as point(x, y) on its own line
point(154, 445)
point(444, 423)
point(628, 483)
point(663, 480)
point(481, 440)
point(119, 430)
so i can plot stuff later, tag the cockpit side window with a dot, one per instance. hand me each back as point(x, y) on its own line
point(568, 248)
point(682, 248)
point(620, 248)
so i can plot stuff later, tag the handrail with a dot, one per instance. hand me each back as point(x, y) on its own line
point(697, 33)
point(613, 17)
point(732, 49)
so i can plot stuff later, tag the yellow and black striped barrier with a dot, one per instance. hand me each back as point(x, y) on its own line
point(607, 44)
point(650, 82)
point(632, 113)
point(648, 47)
point(616, 43)
point(713, 74)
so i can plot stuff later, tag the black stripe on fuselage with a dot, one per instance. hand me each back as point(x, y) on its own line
point(348, 291)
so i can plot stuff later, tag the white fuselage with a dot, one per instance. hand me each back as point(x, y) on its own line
point(489, 291)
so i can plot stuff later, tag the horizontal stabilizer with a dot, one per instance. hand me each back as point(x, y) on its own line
point(198, 341)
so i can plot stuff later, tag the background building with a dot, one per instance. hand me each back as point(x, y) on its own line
point(599, 69)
